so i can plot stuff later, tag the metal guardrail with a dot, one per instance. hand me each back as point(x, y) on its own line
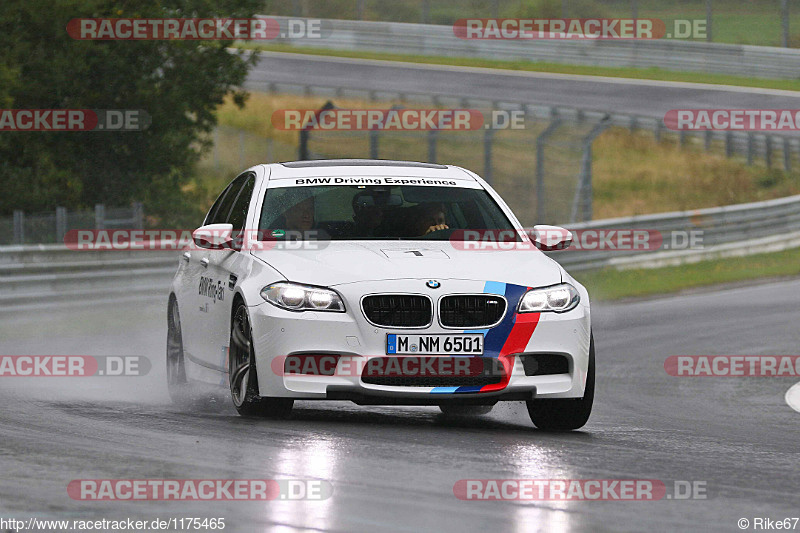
point(46, 274)
point(739, 229)
point(434, 40)
point(52, 273)
point(27, 228)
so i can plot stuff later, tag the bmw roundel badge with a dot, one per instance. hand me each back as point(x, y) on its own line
point(433, 284)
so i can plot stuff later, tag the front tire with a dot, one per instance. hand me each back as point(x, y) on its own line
point(242, 374)
point(568, 413)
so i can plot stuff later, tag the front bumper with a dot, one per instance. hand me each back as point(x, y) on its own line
point(362, 396)
point(353, 341)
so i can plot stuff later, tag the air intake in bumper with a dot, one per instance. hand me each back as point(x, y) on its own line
point(433, 371)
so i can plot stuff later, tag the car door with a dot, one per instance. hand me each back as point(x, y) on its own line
point(221, 270)
point(186, 290)
point(198, 301)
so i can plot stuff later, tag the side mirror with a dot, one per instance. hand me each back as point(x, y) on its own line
point(550, 238)
point(214, 236)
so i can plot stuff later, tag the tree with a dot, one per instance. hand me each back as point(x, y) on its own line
point(178, 83)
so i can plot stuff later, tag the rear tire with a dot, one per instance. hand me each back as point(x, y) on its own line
point(568, 413)
point(465, 410)
point(242, 373)
point(177, 384)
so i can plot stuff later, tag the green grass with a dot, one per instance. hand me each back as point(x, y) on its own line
point(735, 23)
point(528, 66)
point(610, 284)
point(756, 23)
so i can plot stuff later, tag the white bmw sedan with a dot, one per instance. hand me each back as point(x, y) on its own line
point(381, 283)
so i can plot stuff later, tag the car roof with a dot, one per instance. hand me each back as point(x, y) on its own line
point(365, 167)
point(360, 163)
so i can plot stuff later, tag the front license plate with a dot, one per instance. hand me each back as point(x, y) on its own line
point(466, 344)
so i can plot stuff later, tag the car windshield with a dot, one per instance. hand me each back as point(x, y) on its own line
point(379, 212)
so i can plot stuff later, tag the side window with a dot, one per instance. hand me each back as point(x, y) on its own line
point(215, 207)
point(220, 215)
point(238, 214)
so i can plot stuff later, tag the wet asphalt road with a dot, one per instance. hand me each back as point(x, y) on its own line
point(616, 95)
point(393, 469)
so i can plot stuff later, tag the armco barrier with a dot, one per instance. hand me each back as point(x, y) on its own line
point(751, 228)
point(51, 273)
point(433, 40)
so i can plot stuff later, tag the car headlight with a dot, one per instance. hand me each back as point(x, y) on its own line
point(296, 297)
point(558, 298)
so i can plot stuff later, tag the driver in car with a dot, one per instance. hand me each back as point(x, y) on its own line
point(297, 221)
point(300, 217)
point(431, 218)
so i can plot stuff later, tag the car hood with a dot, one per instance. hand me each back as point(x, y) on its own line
point(342, 262)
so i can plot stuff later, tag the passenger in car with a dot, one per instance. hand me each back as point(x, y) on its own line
point(367, 215)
